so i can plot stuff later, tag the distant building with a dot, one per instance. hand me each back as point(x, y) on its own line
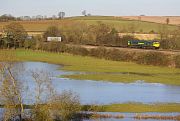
point(39, 17)
point(25, 18)
point(56, 39)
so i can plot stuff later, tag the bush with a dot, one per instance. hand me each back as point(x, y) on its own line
point(65, 106)
point(154, 58)
point(78, 51)
point(177, 61)
point(41, 113)
point(99, 52)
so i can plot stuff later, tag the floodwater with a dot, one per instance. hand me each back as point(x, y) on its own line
point(127, 116)
point(102, 92)
point(99, 92)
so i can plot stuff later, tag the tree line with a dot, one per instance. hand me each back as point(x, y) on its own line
point(73, 32)
point(15, 36)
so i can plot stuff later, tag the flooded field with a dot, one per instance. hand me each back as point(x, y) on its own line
point(101, 92)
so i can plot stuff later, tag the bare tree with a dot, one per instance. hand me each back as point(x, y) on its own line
point(49, 105)
point(43, 92)
point(167, 20)
point(61, 15)
point(10, 93)
point(84, 13)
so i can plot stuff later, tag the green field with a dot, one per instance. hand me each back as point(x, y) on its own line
point(119, 23)
point(98, 69)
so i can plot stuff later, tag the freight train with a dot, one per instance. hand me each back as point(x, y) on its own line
point(147, 44)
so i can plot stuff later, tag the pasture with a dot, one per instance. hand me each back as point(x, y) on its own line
point(174, 20)
point(121, 24)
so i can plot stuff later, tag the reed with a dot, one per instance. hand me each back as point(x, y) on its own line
point(156, 117)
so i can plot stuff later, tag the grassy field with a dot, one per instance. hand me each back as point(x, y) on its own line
point(116, 22)
point(141, 108)
point(174, 20)
point(98, 69)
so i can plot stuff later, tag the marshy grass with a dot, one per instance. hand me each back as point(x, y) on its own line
point(99, 116)
point(156, 117)
point(114, 71)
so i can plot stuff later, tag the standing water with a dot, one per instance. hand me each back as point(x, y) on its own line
point(102, 92)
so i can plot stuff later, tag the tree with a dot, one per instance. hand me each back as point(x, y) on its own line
point(43, 92)
point(167, 21)
point(38, 42)
point(10, 92)
point(52, 31)
point(84, 13)
point(112, 38)
point(65, 106)
point(15, 35)
point(30, 43)
point(7, 17)
point(48, 104)
point(1, 41)
point(74, 32)
point(102, 31)
point(61, 15)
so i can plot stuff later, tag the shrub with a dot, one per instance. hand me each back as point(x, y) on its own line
point(154, 58)
point(177, 61)
point(41, 113)
point(99, 52)
point(65, 106)
point(78, 51)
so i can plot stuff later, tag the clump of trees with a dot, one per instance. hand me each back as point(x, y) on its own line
point(7, 17)
point(169, 39)
point(52, 31)
point(14, 36)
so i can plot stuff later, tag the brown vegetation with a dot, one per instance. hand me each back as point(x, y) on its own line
point(156, 117)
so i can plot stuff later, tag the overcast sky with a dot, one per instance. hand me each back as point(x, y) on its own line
point(95, 7)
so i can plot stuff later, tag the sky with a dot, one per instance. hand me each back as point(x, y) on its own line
point(94, 7)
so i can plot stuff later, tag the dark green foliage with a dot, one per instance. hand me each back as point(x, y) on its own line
point(30, 44)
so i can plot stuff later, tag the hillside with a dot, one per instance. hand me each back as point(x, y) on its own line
point(174, 20)
point(121, 24)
